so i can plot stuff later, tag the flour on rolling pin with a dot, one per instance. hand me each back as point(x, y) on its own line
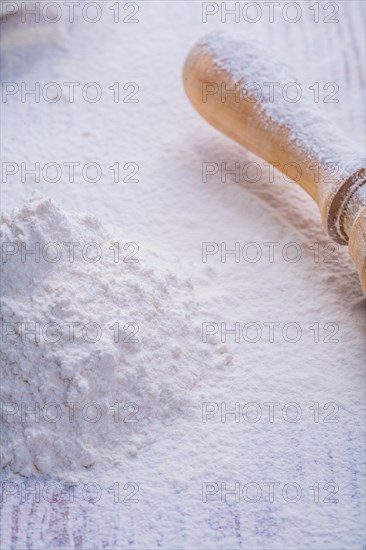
point(225, 79)
point(247, 60)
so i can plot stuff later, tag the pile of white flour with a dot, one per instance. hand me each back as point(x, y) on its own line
point(92, 333)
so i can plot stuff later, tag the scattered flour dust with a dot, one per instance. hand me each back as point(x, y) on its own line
point(79, 365)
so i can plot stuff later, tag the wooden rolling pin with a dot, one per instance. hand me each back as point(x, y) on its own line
point(241, 90)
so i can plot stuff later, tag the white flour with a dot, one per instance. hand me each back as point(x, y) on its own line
point(142, 364)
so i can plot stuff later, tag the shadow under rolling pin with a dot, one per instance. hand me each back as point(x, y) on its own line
point(224, 79)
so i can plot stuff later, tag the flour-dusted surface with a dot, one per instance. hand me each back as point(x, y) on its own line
point(170, 209)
